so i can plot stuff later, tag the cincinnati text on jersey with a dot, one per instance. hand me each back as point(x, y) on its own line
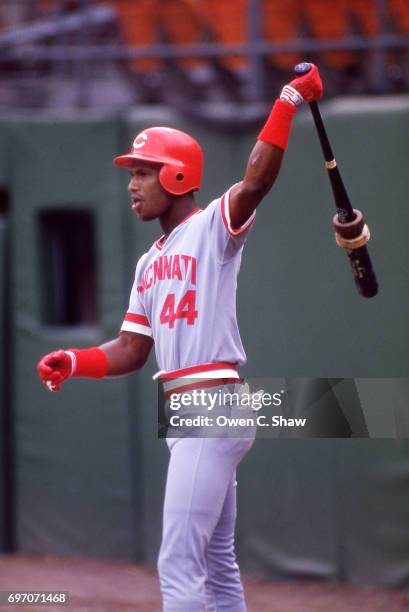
point(169, 267)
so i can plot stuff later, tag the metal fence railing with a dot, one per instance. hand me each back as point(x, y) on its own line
point(78, 44)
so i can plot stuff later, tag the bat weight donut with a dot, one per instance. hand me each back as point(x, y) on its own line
point(351, 235)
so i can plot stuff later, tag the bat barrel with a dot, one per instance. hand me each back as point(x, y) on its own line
point(364, 275)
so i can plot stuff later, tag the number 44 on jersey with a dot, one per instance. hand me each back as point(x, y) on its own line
point(186, 309)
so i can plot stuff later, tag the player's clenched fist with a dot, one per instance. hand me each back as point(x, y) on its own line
point(306, 88)
point(54, 368)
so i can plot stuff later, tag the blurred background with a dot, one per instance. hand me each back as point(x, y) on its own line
point(193, 54)
point(82, 472)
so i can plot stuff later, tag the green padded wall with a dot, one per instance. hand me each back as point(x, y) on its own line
point(2, 380)
point(5, 144)
point(333, 509)
point(372, 488)
point(72, 449)
point(5, 475)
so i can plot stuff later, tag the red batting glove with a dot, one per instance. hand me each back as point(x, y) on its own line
point(306, 88)
point(54, 368)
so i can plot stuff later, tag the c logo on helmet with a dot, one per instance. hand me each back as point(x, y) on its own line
point(140, 141)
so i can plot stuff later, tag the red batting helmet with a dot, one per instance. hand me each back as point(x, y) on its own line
point(180, 154)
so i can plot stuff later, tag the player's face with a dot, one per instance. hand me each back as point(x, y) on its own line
point(149, 199)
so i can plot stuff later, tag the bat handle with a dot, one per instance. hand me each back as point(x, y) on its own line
point(303, 68)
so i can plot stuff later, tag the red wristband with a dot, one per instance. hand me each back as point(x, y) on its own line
point(91, 362)
point(276, 130)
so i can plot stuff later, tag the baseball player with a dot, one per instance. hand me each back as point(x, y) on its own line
point(183, 302)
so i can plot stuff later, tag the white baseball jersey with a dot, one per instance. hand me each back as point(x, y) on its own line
point(184, 293)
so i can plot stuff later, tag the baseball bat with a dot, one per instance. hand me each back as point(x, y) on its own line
point(351, 230)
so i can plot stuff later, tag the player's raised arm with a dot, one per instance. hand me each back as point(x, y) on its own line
point(124, 355)
point(265, 159)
